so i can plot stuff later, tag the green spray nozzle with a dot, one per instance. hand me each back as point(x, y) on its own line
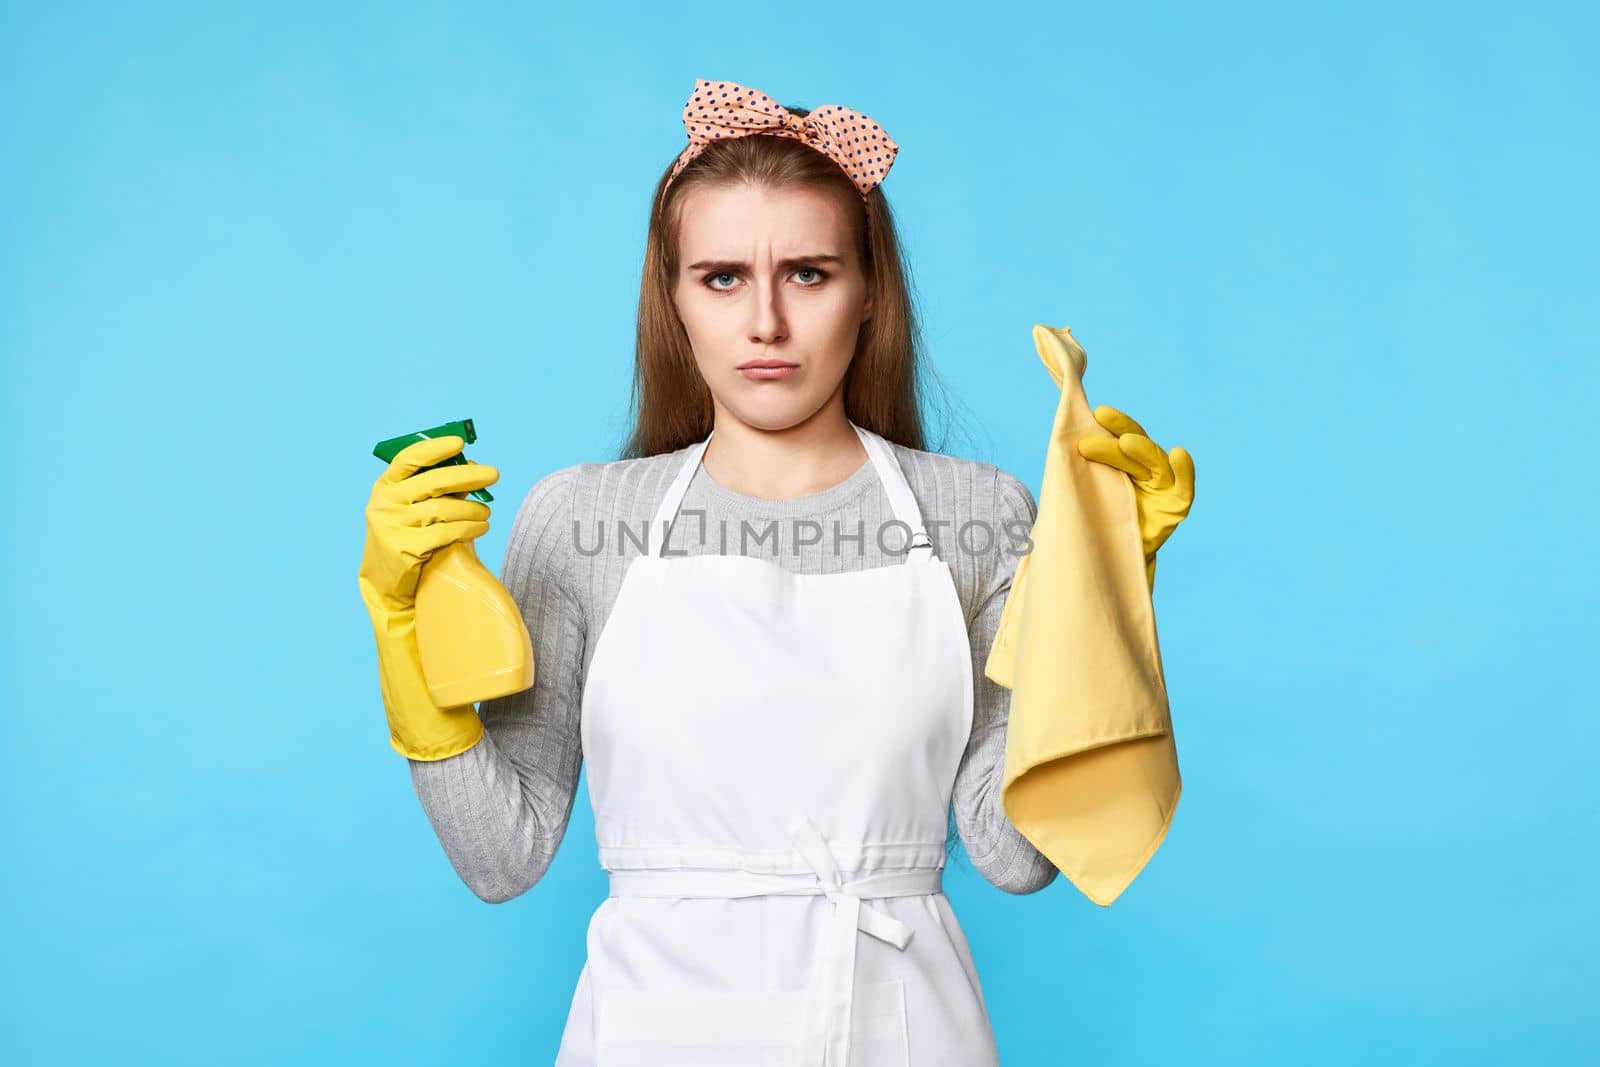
point(462, 428)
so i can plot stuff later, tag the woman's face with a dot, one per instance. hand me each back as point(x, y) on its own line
point(769, 275)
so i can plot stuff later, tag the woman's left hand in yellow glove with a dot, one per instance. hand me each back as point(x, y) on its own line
point(1163, 482)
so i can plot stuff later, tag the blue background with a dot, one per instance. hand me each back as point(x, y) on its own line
point(1343, 253)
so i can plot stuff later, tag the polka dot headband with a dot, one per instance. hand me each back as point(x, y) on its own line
point(720, 110)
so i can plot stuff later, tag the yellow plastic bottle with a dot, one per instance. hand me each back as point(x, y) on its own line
point(470, 635)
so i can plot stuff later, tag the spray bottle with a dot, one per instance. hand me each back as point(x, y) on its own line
point(470, 635)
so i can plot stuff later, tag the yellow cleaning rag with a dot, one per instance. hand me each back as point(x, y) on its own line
point(1091, 768)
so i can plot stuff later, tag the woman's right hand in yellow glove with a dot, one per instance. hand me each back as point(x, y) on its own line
point(411, 515)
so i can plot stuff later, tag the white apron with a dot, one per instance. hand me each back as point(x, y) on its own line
point(770, 760)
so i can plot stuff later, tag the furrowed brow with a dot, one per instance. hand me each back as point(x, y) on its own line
point(733, 264)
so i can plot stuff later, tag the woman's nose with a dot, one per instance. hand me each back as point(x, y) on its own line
point(769, 325)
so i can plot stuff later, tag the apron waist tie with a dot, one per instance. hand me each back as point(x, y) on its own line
point(827, 1026)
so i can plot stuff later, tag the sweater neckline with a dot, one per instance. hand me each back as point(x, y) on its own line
point(702, 484)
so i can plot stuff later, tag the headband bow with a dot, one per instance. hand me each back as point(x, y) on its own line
point(718, 110)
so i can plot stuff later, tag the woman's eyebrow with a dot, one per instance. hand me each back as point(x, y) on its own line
point(792, 261)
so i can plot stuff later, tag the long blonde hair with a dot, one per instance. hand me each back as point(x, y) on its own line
point(888, 377)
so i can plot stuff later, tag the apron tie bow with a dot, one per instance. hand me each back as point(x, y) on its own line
point(828, 1016)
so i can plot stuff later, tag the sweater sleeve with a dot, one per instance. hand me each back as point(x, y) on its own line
point(997, 849)
point(500, 809)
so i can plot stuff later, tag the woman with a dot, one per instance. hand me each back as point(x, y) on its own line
point(781, 700)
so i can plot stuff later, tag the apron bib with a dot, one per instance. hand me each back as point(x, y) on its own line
point(770, 760)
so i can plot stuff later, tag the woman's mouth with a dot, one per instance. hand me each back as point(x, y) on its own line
point(765, 369)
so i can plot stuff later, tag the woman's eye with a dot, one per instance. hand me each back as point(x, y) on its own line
point(711, 279)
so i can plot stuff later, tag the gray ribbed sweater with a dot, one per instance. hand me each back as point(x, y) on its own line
point(500, 809)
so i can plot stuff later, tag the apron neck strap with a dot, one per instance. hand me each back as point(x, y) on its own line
point(899, 490)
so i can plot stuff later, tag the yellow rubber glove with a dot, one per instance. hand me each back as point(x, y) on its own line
point(410, 515)
point(1163, 482)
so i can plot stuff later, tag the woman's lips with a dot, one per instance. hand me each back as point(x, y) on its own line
point(758, 372)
